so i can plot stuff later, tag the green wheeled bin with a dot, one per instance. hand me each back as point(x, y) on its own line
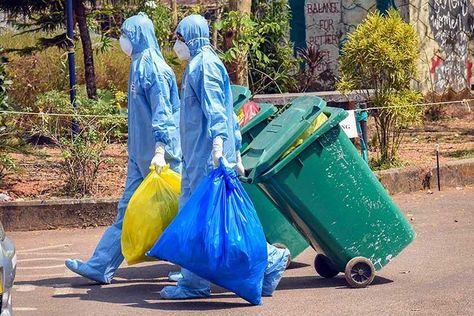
point(240, 96)
point(278, 230)
point(329, 193)
point(257, 123)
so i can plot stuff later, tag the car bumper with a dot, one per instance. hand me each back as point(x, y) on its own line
point(7, 273)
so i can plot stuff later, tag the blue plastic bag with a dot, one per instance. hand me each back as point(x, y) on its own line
point(218, 236)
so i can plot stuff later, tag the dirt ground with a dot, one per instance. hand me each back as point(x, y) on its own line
point(455, 136)
point(39, 175)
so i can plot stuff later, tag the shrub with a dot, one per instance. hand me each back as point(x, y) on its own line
point(8, 143)
point(160, 14)
point(259, 44)
point(106, 110)
point(315, 70)
point(382, 54)
point(44, 71)
point(7, 131)
point(82, 154)
point(272, 64)
point(33, 74)
point(240, 37)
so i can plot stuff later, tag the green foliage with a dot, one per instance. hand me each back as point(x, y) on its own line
point(82, 154)
point(100, 122)
point(239, 28)
point(272, 64)
point(316, 69)
point(377, 164)
point(8, 141)
point(462, 153)
point(6, 164)
point(106, 111)
point(243, 29)
point(33, 74)
point(262, 40)
point(46, 17)
point(4, 82)
point(194, 9)
point(160, 14)
point(46, 70)
point(381, 54)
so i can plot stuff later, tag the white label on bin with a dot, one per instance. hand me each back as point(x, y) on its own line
point(349, 125)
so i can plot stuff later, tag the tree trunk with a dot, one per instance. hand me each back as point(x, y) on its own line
point(219, 10)
point(240, 5)
point(238, 72)
point(89, 72)
point(174, 14)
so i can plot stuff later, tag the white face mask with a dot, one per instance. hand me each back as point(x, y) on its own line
point(181, 50)
point(126, 45)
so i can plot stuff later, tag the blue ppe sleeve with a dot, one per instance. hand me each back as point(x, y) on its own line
point(209, 90)
point(157, 92)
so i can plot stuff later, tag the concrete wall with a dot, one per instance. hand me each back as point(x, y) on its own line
point(445, 28)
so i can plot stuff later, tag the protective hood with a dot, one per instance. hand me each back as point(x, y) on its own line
point(140, 31)
point(195, 32)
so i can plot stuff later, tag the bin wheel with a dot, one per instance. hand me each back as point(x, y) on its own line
point(282, 246)
point(323, 267)
point(359, 272)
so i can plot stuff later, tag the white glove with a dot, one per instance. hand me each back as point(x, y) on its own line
point(239, 167)
point(217, 150)
point(159, 159)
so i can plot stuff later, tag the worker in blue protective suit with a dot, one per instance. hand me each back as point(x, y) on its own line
point(209, 131)
point(153, 135)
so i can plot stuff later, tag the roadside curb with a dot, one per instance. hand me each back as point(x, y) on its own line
point(70, 213)
point(54, 214)
point(405, 180)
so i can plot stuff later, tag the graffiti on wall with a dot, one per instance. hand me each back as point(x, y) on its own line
point(452, 25)
point(354, 13)
point(328, 22)
point(323, 29)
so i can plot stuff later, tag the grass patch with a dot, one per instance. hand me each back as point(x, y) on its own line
point(378, 165)
point(461, 153)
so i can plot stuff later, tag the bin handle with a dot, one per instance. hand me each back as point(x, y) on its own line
point(245, 179)
point(251, 175)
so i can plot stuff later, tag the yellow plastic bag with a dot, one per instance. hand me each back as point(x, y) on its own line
point(240, 115)
point(307, 133)
point(151, 209)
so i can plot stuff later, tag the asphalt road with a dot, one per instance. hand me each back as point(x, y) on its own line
point(433, 276)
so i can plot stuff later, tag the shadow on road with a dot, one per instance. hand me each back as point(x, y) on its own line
point(139, 287)
point(150, 273)
point(147, 296)
point(314, 282)
point(297, 265)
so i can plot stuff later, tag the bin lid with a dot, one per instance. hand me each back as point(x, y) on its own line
point(240, 95)
point(280, 134)
point(266, 110)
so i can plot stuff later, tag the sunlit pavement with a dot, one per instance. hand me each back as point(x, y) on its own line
point(433, 276)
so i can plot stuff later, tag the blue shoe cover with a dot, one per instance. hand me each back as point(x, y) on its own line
point(81, 268)
point(175, 276)
point(181, 293)
point(277, 262)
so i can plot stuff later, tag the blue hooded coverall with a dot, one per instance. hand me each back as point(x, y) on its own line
point(153, 116)
point(206, 113)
